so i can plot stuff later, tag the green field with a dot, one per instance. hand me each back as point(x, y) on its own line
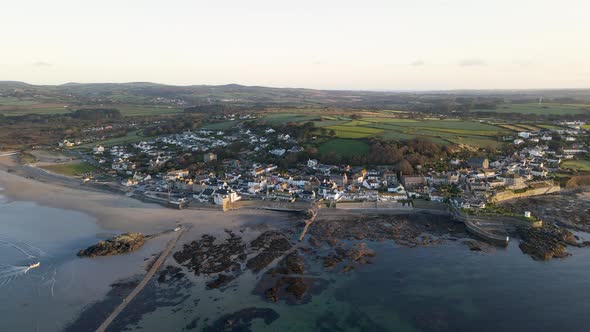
point(70, 169)
point(13, 107)
point(344, 147)
point(389, 127)
point(440, 131)
point(353, 131)
point(586, 126)
point(275, 119)
point(578, 165)
point(13, 101)
point(131, 110)
point(545, 108)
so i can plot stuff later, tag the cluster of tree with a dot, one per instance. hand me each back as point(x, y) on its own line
point(220, 108)
point(404, 155)
point(96, 114)
point(173, 125)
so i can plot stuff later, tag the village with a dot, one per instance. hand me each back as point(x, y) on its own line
point(152, 170)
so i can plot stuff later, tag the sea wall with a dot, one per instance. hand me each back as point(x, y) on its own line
point(371, 205)
point(508, 194)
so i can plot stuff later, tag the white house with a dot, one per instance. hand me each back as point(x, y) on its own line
point(222, 197)
point(546, 138)
point(312, 163)
point(98, 149)
point(278, 152)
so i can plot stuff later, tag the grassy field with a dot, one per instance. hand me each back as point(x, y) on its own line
point(13, 107)
point(545, 108)
point(579, 165)
point(353, 131)
point(132, 110)
point(442, 131)
point(389, 127)
point(344, 147)
point(275, 119)
point(586, 126)
point(549, 126)
point(70, 169)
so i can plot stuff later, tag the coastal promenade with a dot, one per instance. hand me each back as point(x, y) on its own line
point(104, 326)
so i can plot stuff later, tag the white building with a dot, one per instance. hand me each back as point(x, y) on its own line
point(98, 149)
point(312, 163)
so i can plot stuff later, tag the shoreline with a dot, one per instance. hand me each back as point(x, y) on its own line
point(114, 211)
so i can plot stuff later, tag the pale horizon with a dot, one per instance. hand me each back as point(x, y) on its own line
point(337, 45)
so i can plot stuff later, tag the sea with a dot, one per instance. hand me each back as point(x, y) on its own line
point(51, 296)
point(438, 288)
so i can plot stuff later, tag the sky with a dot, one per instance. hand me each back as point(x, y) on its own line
point(325, 44)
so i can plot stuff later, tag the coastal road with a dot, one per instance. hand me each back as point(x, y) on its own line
point(104, 326)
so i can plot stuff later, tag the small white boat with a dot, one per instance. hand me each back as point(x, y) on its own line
point(177, 229)
point(34, 265)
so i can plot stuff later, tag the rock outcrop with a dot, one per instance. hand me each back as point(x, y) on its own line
point(117, 245)
point(547, 242)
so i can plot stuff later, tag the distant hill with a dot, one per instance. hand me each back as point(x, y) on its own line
point(147, 93)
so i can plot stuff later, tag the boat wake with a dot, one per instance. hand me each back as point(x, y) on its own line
point(27, 249)
point(10, 272)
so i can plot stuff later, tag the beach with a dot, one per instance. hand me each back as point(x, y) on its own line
point(56, 208)
point(116, 211)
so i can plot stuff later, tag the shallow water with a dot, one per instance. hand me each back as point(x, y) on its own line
point(441, 288)
point(48, 297)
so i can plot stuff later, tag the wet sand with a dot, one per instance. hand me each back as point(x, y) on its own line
point(118, 212)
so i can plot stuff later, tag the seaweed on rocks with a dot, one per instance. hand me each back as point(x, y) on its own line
point(287, 281)
point(121, 244)
point(170, 273)
point(241, 321)
point(207, 257)
point(271, 245)
point(547, 242)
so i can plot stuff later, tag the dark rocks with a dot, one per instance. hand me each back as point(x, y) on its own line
point(272, 245)
point(287, 282)
point(314, 242)
point(422, 230)
point(242, 320)
point(170, 273)
point(358, 251)
point(207, 257)
point(121, 244)
point(220, 281)
point(547, 242)
point(473, 245)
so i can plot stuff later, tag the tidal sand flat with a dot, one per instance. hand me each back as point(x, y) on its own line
point(52, 294)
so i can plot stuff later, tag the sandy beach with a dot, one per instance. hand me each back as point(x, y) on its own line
point(118, 212)
point(115, 213)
